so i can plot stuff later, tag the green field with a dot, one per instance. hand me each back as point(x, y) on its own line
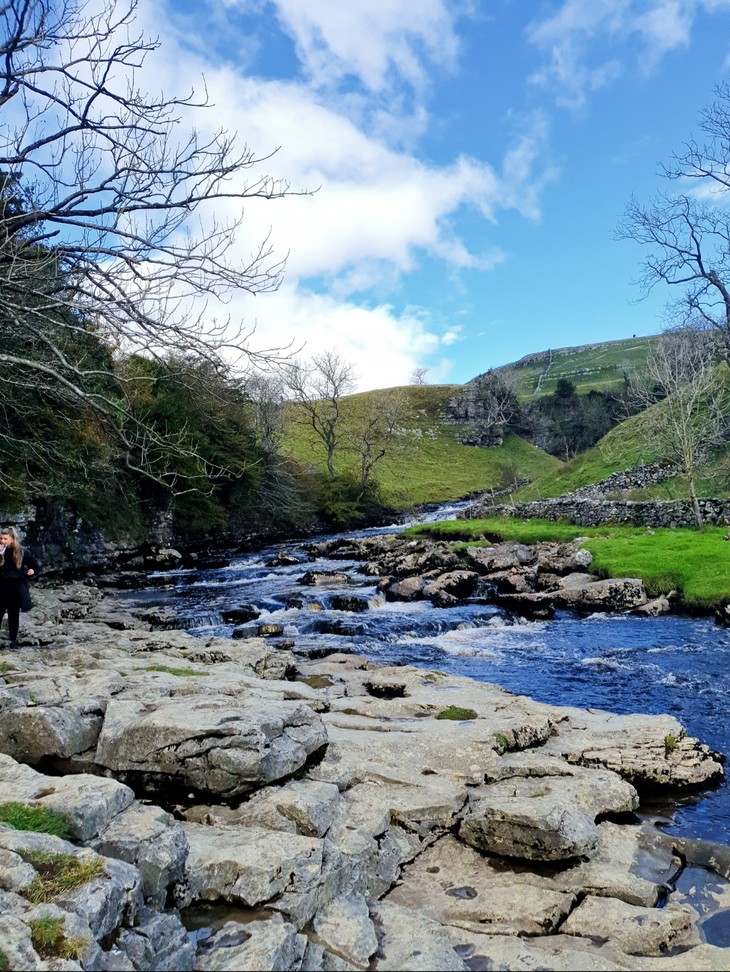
point(429, 464)
point(592, 366)
point(695, 563)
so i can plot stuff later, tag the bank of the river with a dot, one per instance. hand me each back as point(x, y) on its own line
point(693, 564)
point(329, 814)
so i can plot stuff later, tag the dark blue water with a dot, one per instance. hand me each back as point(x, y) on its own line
point(673, 665)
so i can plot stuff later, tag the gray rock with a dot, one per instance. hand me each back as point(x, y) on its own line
point(548, 818)
point(153, 841)
point(87, 802)
point(109, 902)
point(259, 946)
point(252, 866)
point(33, 732)
point(409, 942)
point(455, 885)
point(159, 943)
point(345, 927)
point(630, 929)
point(16, 945)
point(213, 744)
point(643, 749)
point(89, 954)
point(306, 807)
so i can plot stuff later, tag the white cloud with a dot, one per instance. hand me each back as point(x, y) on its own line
point(384, 345)
point(372, 40)
point(378, 210)
point(571, 35)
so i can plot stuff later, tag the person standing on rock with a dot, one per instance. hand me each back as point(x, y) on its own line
point(16, 565)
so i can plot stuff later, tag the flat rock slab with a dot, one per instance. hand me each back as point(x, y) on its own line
point(547, 818)
point(454, 884)
point(408, 942)
point(582, 955)
point(630, 929)
point(212, 744)
point(644, 749)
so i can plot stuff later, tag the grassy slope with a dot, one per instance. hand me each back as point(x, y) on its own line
point(595, 366)
point(624, 447)
point(694, 562)
point(430, 465)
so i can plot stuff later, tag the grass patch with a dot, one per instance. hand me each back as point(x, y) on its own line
point(6, 667)
point(59, 873)
point(502, 741)
point(39, 819)
point(457, 714)
point(169, 670)
point(696, 563)
point(50, 941)
point(4, 961)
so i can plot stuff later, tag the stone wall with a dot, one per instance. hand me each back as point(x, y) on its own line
point(588, 512)
point(639, 478)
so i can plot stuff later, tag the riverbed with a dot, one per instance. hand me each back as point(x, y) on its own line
point(668, 664)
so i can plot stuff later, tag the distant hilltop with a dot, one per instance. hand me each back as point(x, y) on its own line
point(601, 366)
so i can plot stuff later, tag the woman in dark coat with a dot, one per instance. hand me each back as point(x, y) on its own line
point(16, 565)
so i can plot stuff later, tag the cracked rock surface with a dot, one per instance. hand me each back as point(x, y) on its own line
point(243, 820)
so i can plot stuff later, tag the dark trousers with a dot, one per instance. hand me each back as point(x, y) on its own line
point(13, 619)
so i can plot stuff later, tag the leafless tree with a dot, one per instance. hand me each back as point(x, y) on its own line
point(418, 375)
point(98, 246)
point(687, 233)
point(378, 432)
point(318, 387)
point(691, 419)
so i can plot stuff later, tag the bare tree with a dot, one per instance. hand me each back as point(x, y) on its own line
point(317, 387)
point(691, 419)
point(418, 375)
point(688, 233)
point(99, 253)
point(378, 433)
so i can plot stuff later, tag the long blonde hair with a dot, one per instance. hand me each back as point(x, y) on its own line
point(17, 549)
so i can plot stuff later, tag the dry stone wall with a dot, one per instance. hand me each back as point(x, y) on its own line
point(595, 512)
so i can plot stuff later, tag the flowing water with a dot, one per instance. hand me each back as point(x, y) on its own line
point(668, 664)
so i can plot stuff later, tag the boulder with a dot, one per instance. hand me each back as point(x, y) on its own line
point(322, 578)
point(344, 926)
point(546, 818)
point(211, 743)
point(349, 602)
point(253, 866)
point(153, 841)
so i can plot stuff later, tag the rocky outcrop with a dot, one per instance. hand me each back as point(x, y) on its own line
point(362, 817)
point(533, 580)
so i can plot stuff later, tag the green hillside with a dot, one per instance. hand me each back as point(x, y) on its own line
point(429, 464)
point(625, 448)
point(590, 366)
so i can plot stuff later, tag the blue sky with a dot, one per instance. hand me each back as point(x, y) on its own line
point(471, 159)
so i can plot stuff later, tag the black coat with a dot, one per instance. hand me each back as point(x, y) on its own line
point(14, 590)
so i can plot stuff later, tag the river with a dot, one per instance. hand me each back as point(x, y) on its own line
point(668, 664)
